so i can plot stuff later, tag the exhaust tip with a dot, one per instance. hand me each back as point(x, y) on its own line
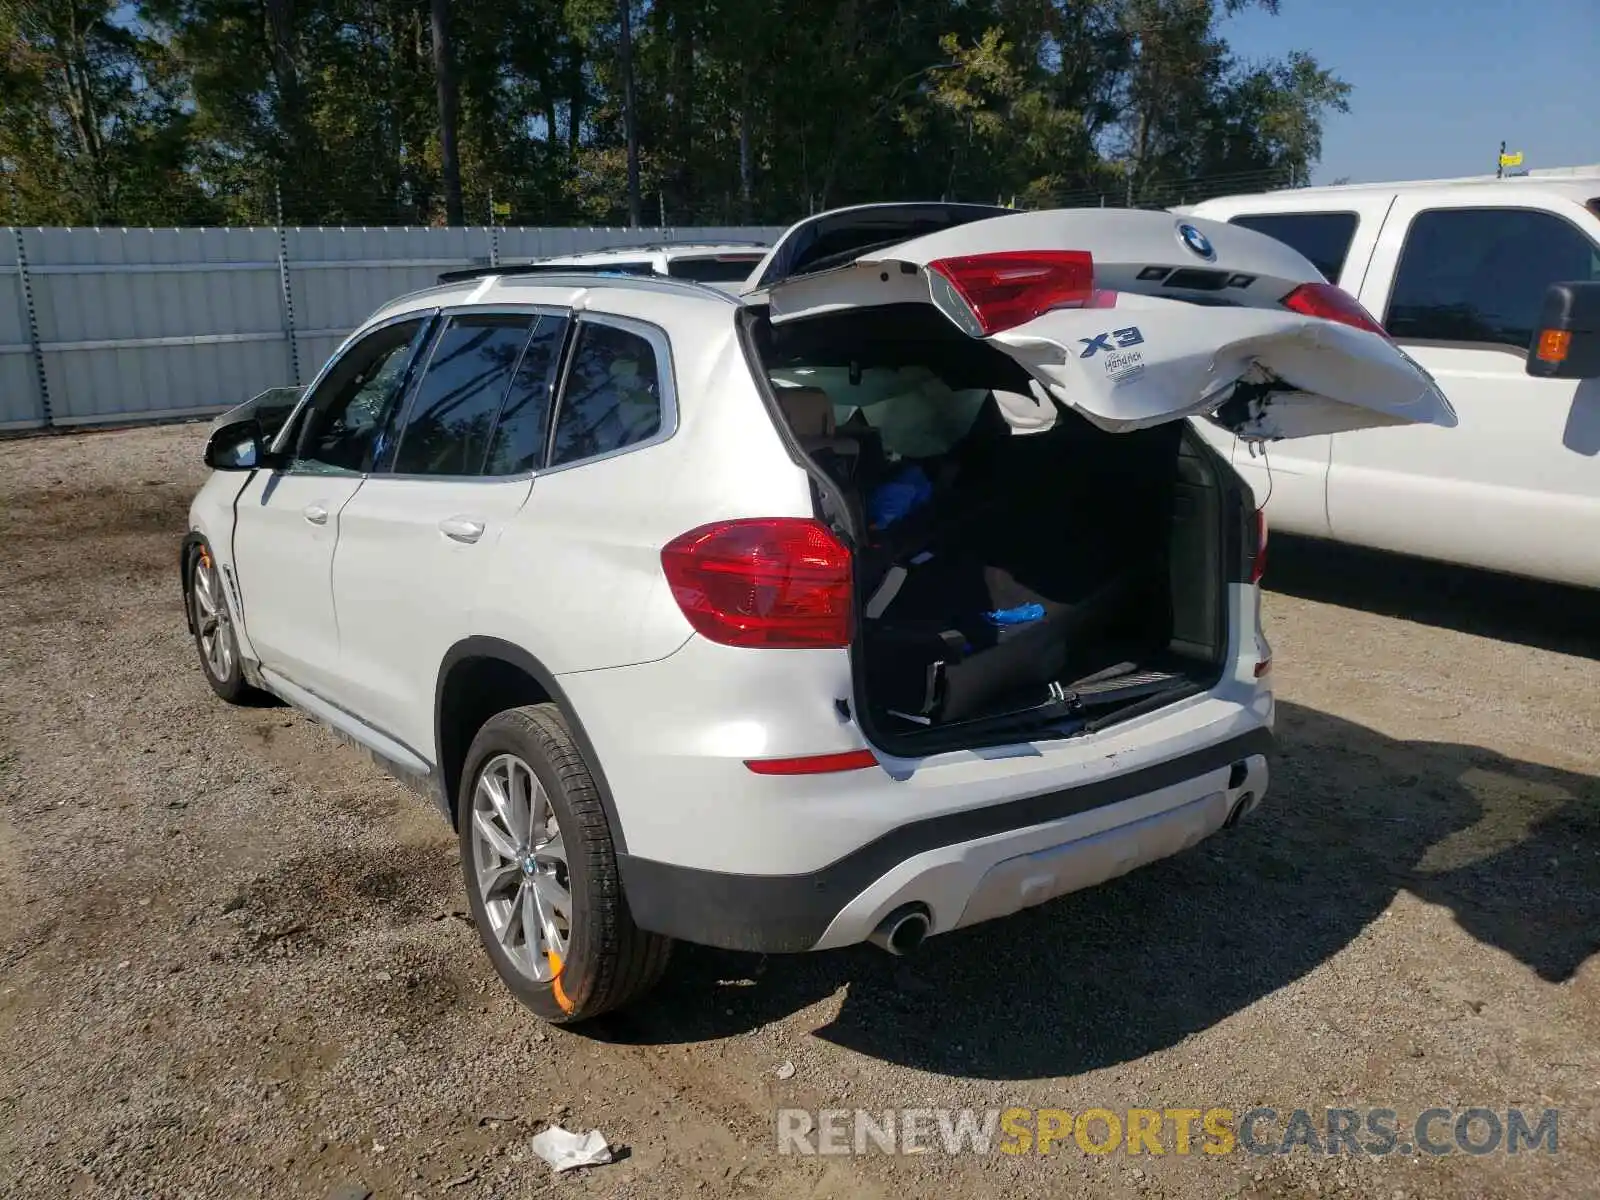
point(1244, 804)
point(903, 930)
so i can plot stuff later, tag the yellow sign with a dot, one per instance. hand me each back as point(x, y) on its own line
point(504, 210)
point(1511, 160)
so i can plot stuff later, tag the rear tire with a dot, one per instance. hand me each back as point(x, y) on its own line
point(540, 868)
point(212, 623)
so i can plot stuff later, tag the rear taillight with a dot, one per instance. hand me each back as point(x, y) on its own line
point(778, 583)
point(986, 293)
point(1332, 304)
point(1258, 562)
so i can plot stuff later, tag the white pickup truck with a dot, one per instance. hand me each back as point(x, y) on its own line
point(1492, 285)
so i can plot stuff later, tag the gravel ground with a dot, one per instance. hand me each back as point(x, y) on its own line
point(234, 957)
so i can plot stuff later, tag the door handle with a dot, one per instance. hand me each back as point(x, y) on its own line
point(461, 529)
point(316, 514)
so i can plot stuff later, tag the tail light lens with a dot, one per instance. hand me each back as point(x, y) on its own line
point(987, 293)
point(1332, 304)
point(1258, 564)
point(777, 583)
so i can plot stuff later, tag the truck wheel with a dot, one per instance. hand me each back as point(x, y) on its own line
point(541, 872)
point(212, 624)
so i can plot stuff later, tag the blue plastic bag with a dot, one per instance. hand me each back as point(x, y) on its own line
point(1022, 614)
point(904, 494)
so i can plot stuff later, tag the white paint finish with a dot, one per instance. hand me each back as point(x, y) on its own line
point(1290, 479)
point(285, 567)
point(359, 612)
point(1153, 359)
point(673, 735)
point(578, 582)
point(672, 738)
point(980, 880)
point(1190, 359)
point(1516, 486)
point(404, 592)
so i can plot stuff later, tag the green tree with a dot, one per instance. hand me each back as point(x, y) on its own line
point(92, 125)
point(708, 111)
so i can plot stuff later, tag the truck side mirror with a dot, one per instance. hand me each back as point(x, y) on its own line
point(1566, 341)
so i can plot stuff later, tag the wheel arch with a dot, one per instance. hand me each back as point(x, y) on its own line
point(480, 676)
point(192, 541)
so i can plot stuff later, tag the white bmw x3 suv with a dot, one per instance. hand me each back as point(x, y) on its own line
point(894, 595)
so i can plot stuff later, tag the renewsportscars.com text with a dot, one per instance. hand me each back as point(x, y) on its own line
point(1181, 1131)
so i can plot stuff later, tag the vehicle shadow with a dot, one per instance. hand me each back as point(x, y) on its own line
point(1528, 612)
point(1108, 975)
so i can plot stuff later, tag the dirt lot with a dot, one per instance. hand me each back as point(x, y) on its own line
point(234, 961)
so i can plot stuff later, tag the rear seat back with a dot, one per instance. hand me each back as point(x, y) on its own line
point(809, 412)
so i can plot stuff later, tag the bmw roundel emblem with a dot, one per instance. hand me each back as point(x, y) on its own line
point(1196, 241)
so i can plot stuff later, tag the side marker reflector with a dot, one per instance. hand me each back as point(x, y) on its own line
point(813, 764)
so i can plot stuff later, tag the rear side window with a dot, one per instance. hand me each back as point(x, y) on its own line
point(612, 395)
point(519, 438)
point(456, 404)
point(1324, 238)
point(713, 270)
point(1480, 274)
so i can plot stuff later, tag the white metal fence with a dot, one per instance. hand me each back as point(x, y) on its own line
point(100, 326)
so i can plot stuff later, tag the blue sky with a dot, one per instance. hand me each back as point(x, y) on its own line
point(1439, 84)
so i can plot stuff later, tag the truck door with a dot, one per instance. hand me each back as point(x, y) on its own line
point(1338, 236)
point(1458, 282)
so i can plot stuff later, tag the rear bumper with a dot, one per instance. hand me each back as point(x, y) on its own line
point(967, 866)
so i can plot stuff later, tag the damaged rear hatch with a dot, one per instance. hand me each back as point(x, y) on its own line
point(1131, 318)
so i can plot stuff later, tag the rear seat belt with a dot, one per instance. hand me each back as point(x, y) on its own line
point(887, 591)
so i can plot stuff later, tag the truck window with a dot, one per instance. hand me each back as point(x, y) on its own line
point(1324, 238)
point(1480, 274)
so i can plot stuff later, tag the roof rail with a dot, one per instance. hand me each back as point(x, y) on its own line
point(588, 277)
point(695, 245)
point(534, 268)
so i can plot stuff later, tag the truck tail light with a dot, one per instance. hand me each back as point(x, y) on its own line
point(988, 293)
point(1332, 304)
point(773, 582)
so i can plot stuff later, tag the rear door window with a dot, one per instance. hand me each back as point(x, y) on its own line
point(1480, 274)
point(524, 424)
point(1324, 238)
point(457, 402)
point(612, 395)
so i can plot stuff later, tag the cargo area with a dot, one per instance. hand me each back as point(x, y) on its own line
point(1020, 573)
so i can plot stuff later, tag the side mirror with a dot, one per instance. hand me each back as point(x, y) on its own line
point(236, 446)
point(1566, 342)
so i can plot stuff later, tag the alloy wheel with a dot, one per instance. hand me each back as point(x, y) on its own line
point(520, 861)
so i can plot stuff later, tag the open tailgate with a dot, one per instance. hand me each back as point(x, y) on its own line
point(1134, 318)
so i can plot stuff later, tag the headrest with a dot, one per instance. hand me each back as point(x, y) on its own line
point(1026, 414)
point(809, 411)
